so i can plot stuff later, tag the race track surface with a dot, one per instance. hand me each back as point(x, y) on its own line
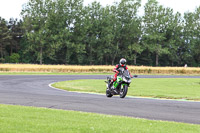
point(35, 91)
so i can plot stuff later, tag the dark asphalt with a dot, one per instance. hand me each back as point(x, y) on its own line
point(35, 91)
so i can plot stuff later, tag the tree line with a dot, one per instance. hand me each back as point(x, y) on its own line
point(67, 32)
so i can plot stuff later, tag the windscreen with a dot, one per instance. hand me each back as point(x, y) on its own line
point(126, 73)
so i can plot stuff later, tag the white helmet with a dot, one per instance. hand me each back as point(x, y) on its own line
point(122, 61)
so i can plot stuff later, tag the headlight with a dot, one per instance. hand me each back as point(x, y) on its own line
point(124, 79)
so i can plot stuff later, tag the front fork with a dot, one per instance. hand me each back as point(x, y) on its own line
point(118, 86)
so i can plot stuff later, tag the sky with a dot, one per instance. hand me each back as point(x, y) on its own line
point(12, 8)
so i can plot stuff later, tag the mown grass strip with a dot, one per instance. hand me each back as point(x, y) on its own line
point(19, 119)
point(175, 88)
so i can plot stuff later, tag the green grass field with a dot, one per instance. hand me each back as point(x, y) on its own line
point(19, 119)
point(175, 88)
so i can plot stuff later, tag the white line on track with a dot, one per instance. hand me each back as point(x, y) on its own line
point(50, 85)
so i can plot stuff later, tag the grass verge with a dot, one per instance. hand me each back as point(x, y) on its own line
point(20, 119)
point(169, 88)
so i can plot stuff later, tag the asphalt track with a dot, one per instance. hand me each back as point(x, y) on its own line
point(35, 91)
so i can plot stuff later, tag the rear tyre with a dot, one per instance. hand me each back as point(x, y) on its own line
point(123, 91)
point(108, 94)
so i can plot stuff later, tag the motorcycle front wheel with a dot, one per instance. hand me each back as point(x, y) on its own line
point(123, 91)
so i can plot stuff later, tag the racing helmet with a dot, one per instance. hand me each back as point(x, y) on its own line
point(122, 62)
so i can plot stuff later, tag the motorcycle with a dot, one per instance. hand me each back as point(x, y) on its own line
point(120, 86)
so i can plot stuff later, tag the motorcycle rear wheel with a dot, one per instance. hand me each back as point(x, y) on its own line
point(108, 94)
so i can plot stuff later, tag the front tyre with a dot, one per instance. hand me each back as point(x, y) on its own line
point(123, 91)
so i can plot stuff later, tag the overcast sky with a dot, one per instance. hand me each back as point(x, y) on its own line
point(12, 8)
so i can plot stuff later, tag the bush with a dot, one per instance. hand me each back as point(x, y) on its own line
point(14, 58)
point(2, 60)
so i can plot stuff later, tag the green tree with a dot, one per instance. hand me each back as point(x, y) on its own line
point(174, 38)
point(92, 22)
point(127, 30)
point(16, 32)
point(185, 50)
point(49, 28)
point(113, 34)
point(14, 58)
point(65, 22)
point(131, 29)
point(155, 24)
point(34, 16)
point(196, 46)
point(5, 38)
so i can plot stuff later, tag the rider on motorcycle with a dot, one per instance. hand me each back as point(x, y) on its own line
point(122, 63)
